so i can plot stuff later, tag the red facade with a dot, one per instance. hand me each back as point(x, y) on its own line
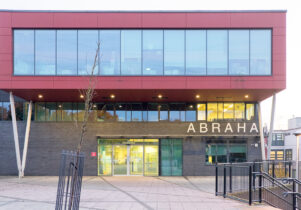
point(144, 88)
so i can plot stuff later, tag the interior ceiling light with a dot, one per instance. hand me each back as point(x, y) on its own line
point(60, 106)
point(197, 96)
point(40, 96)
point(190, 106)
point(160, 96)
point(112, 96)
point(81, 96)
point(246, 96)
point(147, 69)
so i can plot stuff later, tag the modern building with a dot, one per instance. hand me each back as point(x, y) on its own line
point(176, 91)
point(284, 142)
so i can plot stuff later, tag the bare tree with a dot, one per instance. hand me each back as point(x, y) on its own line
point(88, 97)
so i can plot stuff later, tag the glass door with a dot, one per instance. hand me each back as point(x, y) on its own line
point(105, 160)
point(151, 165)
point(120, 164)
point(136, 160)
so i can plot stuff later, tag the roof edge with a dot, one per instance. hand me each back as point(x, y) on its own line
point(149, 11)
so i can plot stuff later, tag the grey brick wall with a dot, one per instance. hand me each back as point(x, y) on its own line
point(48, 139)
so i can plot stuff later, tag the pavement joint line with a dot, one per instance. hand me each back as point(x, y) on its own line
point(8, 202)
point(194, 187)
point(133, 197)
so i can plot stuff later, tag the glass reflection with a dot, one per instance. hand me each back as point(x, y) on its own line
point(260, 52)
point(174, 52)
point(66, 52)
point(45, 52)
point(131, 52)
point(87, 46)
point(217, 52)
point(195, 52)
point(152, 52)
point(109, 56)
point(238, 52)
point(24, 52)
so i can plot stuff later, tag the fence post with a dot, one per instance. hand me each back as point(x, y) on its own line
point(230, 178)
point(260, 188)
point(216, 180)
point(294, 195)
point(250, 185)
point(289, 169)
point(273, 169)
point(225, 179)
point(254, 168)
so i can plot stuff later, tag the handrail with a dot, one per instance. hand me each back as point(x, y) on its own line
point(267, 176)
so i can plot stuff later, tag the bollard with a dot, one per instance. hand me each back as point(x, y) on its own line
point(216, 179)
point(230, 176)
point(225, 179)
point(250, 185)
point(260, 188)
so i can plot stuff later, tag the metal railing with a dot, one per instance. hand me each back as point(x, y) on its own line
point(271, 182)
point(70, 181)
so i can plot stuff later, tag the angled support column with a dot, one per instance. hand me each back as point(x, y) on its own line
point(26, 138)
point(262, 143)
point(15, 131)
point(270, 138)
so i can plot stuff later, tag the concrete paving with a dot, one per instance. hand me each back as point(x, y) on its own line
point(119, 193)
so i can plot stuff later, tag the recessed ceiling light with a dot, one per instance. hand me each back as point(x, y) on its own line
point(60, 106)
point(120, 106)
point(197, 96)
point(40, 96)
point(148, 69)
point(94, 105)
point(160, 96)
point(81, 96)
point(190, 106)
point(112, 96)
point(246, 96)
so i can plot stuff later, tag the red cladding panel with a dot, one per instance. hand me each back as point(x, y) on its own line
point(267, 84)
point(32, 20)
point(164, 20)
point(119, 20)
point(75, 20)
point(5, 19)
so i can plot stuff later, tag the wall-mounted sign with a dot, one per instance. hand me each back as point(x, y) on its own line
point(223, 128)
point(93, 154)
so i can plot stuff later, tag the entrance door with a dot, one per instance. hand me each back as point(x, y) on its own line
point(120, 164)
point(136, 160)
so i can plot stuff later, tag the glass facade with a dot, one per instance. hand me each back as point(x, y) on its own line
point(135, 112)
point(143, 52)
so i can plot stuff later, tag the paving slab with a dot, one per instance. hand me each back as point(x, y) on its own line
point(39, 192)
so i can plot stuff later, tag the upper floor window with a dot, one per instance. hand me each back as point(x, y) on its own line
point(278, 139)
point(143, 52)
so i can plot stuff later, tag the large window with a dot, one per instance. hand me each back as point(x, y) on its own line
point(45, 52)
point(174, 52)
point(226, 151)
point(131, 52)
point(87, 46)
point(277, 155)
point(109, 55)
point(195, 52)
point(143, 52)
point(24, 52)
point(217, 52)
point(66, 52)
point(152, 52)
point(260, 58)
point(238, 52)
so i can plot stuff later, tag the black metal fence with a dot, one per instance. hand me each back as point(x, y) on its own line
point(70, 181)
point(271, 182)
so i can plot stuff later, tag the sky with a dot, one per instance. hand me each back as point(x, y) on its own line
point(288, 102)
